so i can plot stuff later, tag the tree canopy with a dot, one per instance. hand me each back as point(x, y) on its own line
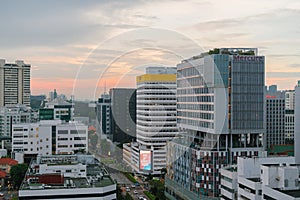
point(17, 173)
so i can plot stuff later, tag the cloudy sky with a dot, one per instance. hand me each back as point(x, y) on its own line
point(80, 47)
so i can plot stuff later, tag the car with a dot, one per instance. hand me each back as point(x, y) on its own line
point(127, 189)
point(137, 184)
point(132, 186)
point(135, 192)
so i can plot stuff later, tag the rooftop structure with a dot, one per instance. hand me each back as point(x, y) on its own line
point(67, 177)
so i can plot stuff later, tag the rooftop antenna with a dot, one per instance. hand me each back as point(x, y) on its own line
point(105, 87)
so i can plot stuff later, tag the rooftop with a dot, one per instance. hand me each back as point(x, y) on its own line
point(227, 51)
point(293, 193)
point(8, 161)
point(96, 174)
point(254, 179)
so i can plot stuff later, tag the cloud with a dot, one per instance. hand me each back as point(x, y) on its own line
point(291, 74)
point(58, 37)
point(295, 65)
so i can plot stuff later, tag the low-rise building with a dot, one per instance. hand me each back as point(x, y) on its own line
point(13, 114)
point(50, 137)
point(260, 178)
point(67, 177)
point(6, 164)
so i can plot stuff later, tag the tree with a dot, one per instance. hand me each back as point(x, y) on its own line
point(157, 189)
point(163, 172)
point(17, 173)
point(94, 140)
point(149, 177)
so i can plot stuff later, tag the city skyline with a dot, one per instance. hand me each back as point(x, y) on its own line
point(82, 39)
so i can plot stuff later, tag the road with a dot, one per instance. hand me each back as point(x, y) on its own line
point(121, 179)
point(7, 194)
point(139, 193)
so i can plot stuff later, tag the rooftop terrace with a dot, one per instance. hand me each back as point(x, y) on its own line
point(96, 175)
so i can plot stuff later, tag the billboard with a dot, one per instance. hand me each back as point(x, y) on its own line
point(146, 160)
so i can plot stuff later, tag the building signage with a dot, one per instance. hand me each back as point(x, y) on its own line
point(248, 58)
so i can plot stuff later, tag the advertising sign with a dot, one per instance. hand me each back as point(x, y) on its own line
point(145, 160)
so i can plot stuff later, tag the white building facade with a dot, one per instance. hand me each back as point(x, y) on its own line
point(67, 177)
point(156, 113)
point(50, 137)
point(258, 178)
point(13, 114)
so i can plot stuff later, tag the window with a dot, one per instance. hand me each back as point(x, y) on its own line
point(62, 131)
point(68, 170)
point(79, 145)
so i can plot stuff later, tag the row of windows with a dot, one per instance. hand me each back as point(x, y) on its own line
point(72, 131)
point(196, 99)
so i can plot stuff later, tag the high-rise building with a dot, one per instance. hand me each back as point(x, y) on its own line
point(220, 113)
point(14, 83)
point(289, 116)
point(297, 124)
point(155, 120)
point(103, 109)
point(123, 114)
point(290, 99)
point(156, 113)
point(275, 118)
point(289, 126)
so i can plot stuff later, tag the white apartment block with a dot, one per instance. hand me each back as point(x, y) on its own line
point(289, 115)
point(289, 125)
point(290, 99)
point(13, 114)
point(14, 83)
point(49, 137)
point(254, 178)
